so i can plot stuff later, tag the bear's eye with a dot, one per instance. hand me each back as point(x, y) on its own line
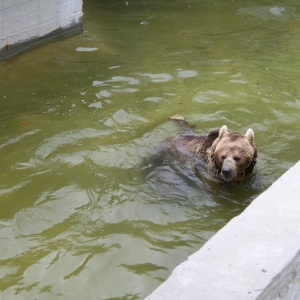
point(223, 157)
point(236, 158)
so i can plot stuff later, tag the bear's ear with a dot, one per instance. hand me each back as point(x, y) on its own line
point(250, 136)
point(223, 131)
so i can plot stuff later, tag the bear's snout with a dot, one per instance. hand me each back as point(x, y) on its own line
point(228, 170)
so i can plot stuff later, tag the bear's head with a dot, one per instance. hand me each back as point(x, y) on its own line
point(233, 155)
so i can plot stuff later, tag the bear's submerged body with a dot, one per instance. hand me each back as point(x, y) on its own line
point(225, 155)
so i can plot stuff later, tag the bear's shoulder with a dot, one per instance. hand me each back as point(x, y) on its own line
point(195, 144)
point(211, 137)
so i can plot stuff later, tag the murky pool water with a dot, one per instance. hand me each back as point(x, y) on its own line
point(79, 216)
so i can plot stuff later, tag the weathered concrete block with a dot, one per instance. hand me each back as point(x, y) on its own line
point(255, 256)
point(27, 23)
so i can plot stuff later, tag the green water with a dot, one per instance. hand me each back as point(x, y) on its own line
point(79, 216)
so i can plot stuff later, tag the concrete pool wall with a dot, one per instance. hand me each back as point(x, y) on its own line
point(25, 24)
point(255, 256)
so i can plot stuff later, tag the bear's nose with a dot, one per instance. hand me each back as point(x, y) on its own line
point(227, 171)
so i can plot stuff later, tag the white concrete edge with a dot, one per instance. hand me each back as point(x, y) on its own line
point(27, 24)
point(255, 256)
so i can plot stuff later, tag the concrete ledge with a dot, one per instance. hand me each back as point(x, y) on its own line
point(255, 256)
point(25, 24)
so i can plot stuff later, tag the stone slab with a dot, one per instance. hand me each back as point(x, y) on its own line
point(25, 24)
point(255, 256)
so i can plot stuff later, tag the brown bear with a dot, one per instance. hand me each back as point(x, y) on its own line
point(229, 156)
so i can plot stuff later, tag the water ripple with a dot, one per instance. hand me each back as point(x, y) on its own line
point(19, 138)
point(72, 137)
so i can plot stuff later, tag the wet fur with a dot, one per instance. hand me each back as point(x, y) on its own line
point(215, 168)
point(201, 149)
